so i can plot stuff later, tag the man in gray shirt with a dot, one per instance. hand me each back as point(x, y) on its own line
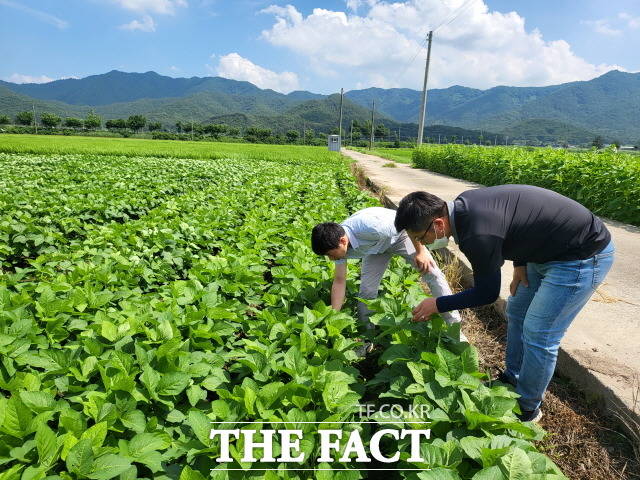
point(370, 235)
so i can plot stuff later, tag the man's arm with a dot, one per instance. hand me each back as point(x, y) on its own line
point(485, 254)
point(485, 291)
point(339, 286)
point(424, 261)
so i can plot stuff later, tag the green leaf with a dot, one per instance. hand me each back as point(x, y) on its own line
point(189, 474)
point(439, 474)
point(134, 420)
point(130, 474)
point(473, 446)
point(397, 352)
point(491, 473)
point(220, 409)
point(516, 465)
point(450, 364)
point(150, 379)
point(80, 458)
point(109, 466)
point(249, 399)
point(195, 394)
point(12, 473)
point(46, 443)
point(147, 442)
point(17, 418)
point(38, 402)
point(173, 383)
point(108, 330)
point(96, 434)
point(542, 464)
point(217, 379)
point(269, 393)
point(72, 421)
point(294, 360)
point(201, 426)
point(469, 357)
point(174, 416)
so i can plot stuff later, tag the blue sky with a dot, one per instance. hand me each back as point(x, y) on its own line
point(322, 46)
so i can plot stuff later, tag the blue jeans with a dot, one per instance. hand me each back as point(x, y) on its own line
point(539, 315)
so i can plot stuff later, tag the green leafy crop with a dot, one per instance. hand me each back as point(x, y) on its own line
point(143, 298)
point(607, 183)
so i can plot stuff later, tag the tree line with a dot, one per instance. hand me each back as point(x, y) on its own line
point(180, 131)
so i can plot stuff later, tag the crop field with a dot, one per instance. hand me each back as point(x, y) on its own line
point(606, 182)
point(401, 155)
point(143, 298)
point(47, 145)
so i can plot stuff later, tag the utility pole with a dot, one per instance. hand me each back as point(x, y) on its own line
point(340, 123)
point(423, 108)
point(438, 139)
point(373, 109)
point(35, 120)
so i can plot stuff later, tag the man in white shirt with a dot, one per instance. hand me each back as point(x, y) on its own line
point(370, 235)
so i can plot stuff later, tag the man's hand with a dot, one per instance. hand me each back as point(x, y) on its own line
point(424, 310)
point(519, 276)
point(424, 261)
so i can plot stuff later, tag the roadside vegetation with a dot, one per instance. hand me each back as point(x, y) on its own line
point(606, 182)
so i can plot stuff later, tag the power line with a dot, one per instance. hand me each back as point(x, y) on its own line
point(423, 44)
point(455, 15)
point(420, 47)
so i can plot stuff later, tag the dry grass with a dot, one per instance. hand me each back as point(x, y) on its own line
point(364, 184)
point(390, 165)
point(580, 439)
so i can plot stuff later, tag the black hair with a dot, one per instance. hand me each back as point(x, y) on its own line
point(326, 236)
point(417, 210)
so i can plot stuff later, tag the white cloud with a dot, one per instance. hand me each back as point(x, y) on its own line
point(19, 78)
point(145, 25)
point(146, 7)
point(40, 15)
point(602, 26)
point(480, 48)
point(162, 7)
point(238, 68)
point(632, 22)
point(353, 4)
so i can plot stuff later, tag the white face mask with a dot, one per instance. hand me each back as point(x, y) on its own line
point(439, 242)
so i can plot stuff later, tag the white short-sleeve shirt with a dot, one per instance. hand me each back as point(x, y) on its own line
point(370, 231)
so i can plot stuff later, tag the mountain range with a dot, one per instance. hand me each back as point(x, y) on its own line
point(577, 111)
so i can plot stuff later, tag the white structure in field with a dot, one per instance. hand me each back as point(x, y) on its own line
point(334, 143)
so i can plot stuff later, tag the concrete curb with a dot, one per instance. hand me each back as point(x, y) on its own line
point(568, 366)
